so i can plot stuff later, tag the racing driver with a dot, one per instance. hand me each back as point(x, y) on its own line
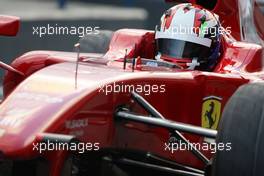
point(189, 36)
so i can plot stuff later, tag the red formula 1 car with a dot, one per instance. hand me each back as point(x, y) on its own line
point(124, 113)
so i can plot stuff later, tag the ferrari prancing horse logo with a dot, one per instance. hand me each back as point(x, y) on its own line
point(211, 112)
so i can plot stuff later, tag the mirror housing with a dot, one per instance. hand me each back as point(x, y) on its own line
point(9, 25)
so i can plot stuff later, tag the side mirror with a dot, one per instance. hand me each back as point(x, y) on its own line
point(9, 25)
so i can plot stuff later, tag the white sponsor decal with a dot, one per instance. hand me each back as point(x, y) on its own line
point(11, 122)
point(78, 123)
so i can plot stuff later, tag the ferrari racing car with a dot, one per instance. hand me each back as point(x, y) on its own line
point(124, 112)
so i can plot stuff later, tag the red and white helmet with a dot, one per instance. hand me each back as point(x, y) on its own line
point(189, 36)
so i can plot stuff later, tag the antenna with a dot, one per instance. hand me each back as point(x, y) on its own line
point(77, 47)
point(10, 68)
point(133, 64)
point(134, 59)
point(125, 60)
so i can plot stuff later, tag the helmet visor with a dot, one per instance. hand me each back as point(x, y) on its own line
point(181, 49)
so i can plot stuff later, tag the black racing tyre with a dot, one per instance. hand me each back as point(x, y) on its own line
point(96, 43)
point(242, 125)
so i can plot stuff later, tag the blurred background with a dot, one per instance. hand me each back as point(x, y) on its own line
point(106, 14)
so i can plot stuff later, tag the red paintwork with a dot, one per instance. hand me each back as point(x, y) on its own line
point(9, 25)
point(46, 97)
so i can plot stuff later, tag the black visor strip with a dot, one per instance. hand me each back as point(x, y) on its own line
point(182, 49)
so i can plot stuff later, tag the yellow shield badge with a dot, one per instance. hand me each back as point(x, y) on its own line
point(211, 112)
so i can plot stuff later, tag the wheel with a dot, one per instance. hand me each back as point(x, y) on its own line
point(242, 125)
point(96, 43)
